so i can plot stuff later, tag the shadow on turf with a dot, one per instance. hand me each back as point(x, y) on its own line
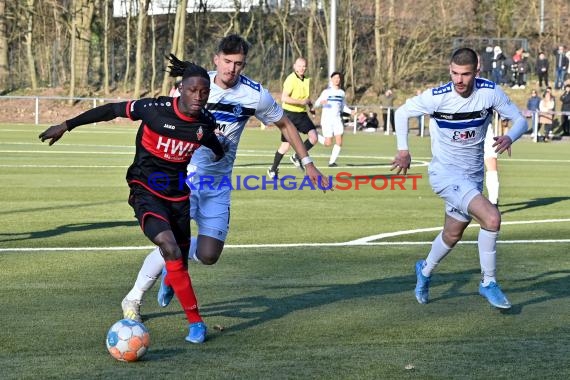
point(260, 309)
point(531, 203)
point(74, 207)
point(257, 310)
point(551, 283)
point(64, 229)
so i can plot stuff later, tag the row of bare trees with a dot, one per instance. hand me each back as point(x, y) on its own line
point(78, 45)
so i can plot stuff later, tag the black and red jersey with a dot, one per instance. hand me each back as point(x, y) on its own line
point(165, 141)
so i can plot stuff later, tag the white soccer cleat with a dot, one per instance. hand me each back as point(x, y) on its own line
point(131, 309)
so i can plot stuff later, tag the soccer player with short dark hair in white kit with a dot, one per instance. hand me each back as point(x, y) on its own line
point(234, 98)
point(460, 112)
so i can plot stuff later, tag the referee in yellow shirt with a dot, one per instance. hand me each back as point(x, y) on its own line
point(295, 100)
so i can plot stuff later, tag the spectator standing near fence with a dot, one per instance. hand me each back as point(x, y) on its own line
point(542, 69)
point(565, 107)
point(532, 106)
point(546, 117)
point(498, 64)
point(561, 66)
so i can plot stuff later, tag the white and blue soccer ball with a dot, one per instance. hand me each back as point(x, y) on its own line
point(128, 340)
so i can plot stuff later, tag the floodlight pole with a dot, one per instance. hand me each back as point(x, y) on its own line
point(332, 39)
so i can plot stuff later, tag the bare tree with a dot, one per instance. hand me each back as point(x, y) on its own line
point(378, 46)
point(126, 78)
point(177, 38)
point(4, 70)
point(106, 28)
point(82, 18)
point(140, 39)
point(29, 45)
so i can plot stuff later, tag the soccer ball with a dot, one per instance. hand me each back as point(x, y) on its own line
point(127, 340)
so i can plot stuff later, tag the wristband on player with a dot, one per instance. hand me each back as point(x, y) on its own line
point(306, 161)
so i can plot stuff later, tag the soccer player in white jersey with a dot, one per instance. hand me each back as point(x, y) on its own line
point(233, 99)
point(332, 99)
point(460, 115)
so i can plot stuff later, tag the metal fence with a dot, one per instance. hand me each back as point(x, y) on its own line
point(50, 109)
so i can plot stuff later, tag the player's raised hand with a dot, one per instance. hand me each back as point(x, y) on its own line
point(317, 178)
point(53, 133)
point(402, 162)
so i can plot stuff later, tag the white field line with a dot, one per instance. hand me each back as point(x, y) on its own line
point(416, 161)
point(366, 241)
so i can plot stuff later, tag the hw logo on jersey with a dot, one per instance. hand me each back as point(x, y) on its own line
point(167, 148)
point(173, 149)
point(463, 135)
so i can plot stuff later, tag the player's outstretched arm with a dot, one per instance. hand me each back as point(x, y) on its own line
point(292, 135)
point(105, 112)
point(53, 133)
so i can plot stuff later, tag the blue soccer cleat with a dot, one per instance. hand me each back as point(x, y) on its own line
point(165, 292)
point(422, 283)
point(196, 333)
point(494, 295)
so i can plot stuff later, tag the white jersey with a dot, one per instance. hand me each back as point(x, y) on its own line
point(232, 108)
point(458, 125)
point(334, 106)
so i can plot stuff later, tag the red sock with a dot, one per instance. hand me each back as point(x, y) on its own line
point(178, 278)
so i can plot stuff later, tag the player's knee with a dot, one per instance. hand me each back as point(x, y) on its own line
point(313, 138)
point(170, 250)
point(492, 222)
point(451, 238)
point(208, 257)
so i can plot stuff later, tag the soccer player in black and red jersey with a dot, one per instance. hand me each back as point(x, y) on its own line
point(171, 130)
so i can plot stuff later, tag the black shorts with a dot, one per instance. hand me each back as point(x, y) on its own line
point(301, 120)
point(156, 215)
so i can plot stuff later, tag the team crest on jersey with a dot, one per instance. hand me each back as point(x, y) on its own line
point(484, 112)
point(237, 110)
point(199, 133)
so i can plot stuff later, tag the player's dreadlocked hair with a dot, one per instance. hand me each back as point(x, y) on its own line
point(464, 57)
point(185, 69)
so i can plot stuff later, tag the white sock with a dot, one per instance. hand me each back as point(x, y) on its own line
point(487, 242)
point(335, 152)
point(438, 251)
point(193, 253)
point(492, 184)
point(149, 272)
point(321, 139)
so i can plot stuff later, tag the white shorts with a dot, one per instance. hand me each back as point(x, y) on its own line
point(457, 192)
point(489, 150)
point(210, 209)
point(332, 127)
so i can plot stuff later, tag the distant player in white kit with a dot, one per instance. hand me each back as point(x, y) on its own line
point(332, 99)
point(460, 115)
